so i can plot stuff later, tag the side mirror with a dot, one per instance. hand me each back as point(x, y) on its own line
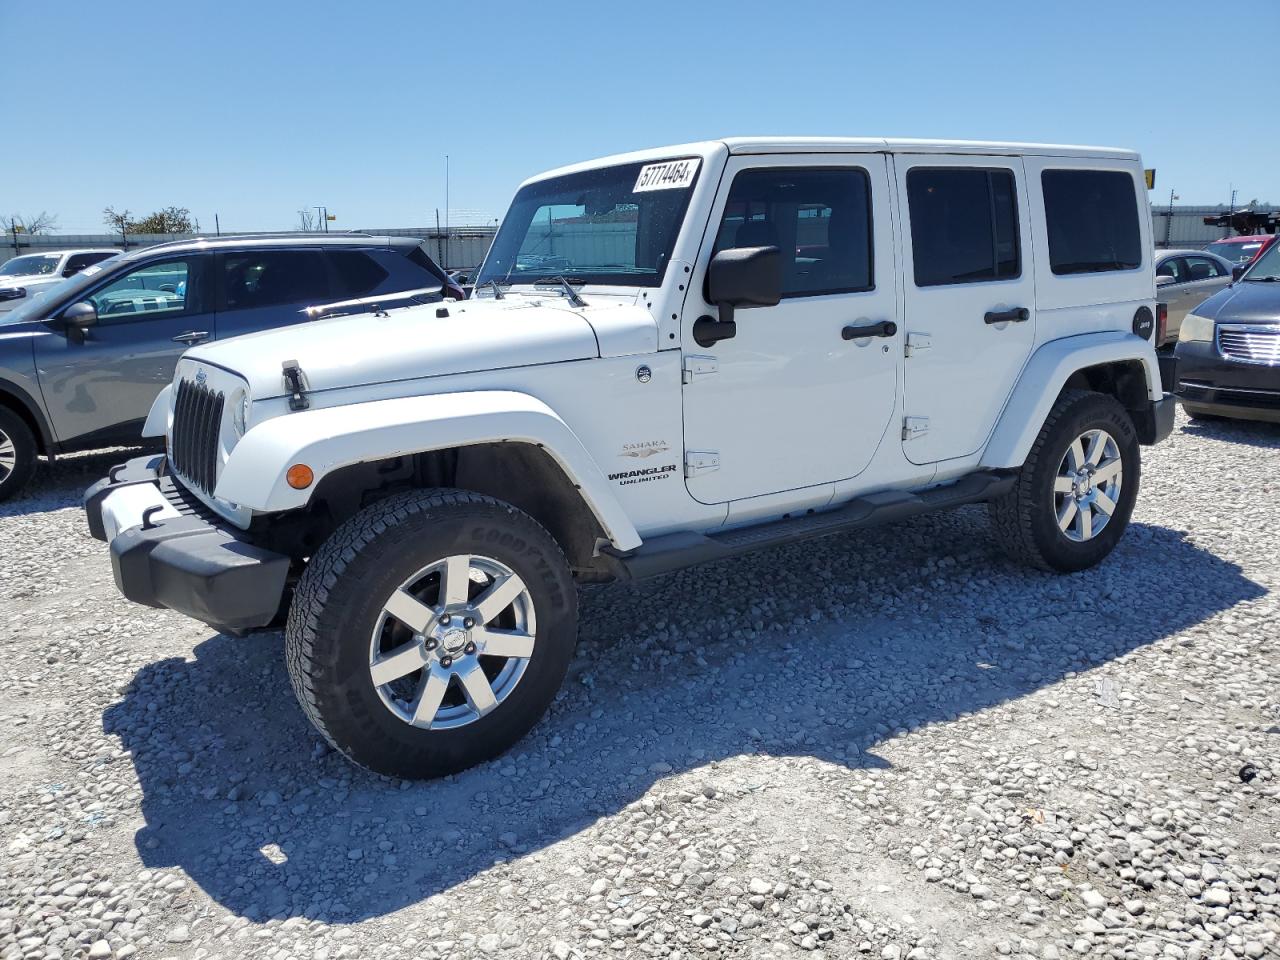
point(742, 277)
point(1163, 280)
point(1236, 273)
point(70, 271)
point(79, 315)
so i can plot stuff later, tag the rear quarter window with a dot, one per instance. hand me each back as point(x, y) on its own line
point(1091, 218)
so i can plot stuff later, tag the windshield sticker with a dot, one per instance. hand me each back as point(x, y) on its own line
point(672, 175)
point(90, 271)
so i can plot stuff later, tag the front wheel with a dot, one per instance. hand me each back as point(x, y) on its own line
point(431, 632)
point(1076, 491)
point(17, 453)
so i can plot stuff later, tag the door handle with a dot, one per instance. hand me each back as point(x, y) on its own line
point(191, 337)
point(1012, 315)
point(885, 328)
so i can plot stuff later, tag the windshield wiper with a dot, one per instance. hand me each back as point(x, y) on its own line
point(1262, 279)
point(566, 286)
point(496, 287)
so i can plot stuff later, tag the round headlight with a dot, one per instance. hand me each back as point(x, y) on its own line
point(240, 413)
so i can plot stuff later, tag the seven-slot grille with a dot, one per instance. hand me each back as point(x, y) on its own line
point(1250, 342)
point(193, 443)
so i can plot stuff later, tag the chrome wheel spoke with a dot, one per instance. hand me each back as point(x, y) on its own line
point(477, 688)
point(498, 597)
point(8, 456)
point(455, 581)
point(1075, 454)
point(1104, 503)
point(1108, 471)
point(1063, 485)
point(410, 611)
point(399, 663)
point(1096, 446)
point(504, 643)
point(431, 693)
point(1086, 522)
point(1067, 514)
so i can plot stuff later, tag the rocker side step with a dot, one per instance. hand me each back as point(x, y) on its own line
point(678, 550)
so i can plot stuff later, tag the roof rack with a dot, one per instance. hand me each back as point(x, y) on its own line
point(281, 235)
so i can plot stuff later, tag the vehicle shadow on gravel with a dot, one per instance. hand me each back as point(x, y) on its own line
point(62, 483)
point(1254, 433)
point(819, 650)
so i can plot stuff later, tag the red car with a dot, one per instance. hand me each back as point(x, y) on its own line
point(1242, 251)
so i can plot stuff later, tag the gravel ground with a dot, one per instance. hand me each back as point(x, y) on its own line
point(893, 744)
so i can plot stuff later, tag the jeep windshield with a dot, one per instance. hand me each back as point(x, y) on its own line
point(612, 225)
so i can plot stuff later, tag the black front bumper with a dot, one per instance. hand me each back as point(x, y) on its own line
point(1207, 380)
point(193, 563)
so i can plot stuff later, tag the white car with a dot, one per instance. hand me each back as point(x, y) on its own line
point(25, 277)
point(670, 357)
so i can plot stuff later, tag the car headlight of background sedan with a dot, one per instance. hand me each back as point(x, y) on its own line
point(1196, 328)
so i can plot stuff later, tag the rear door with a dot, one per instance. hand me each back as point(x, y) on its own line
point(98, 386)
point(259, 289)
point(970, 310)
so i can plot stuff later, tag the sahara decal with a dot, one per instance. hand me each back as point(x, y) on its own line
point(646, 448)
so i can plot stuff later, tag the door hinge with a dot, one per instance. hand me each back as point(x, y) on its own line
point(913, 427)
point(698, 462)
point(916, 342)
point(696, 366)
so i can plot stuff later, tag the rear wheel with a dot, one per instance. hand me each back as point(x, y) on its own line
point(17, 453)
point(1076, 491)
point(431, 632)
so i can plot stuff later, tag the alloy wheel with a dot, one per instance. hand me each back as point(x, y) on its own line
point(1086, 489)
point(452, 642)
point(8, 456)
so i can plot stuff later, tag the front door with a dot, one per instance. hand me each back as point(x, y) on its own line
point(970, 298)
point(98, 386)
point(789, 402)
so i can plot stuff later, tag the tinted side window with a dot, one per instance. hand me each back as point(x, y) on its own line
point(269, 277)
point(1172, 268)
point(1202, 268)
point(964, 225)
point(355, 273)
point(819, 219)
point(1091, 217)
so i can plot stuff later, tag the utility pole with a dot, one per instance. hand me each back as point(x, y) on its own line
point(13, 228)
point(446, 212)
point(439, 242)
point(217, 227)
point(1231, 211)
point(1168, 227)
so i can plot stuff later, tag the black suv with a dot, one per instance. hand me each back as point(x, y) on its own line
point(1228, 353)
point(80, 365)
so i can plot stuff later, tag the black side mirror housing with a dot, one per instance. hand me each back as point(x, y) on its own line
point(70, 272)
point(741, 277)
point(1236, 273)
point(80, 315)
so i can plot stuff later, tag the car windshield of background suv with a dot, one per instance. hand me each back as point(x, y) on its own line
point(38, 265)
point(1237, 253)
point(1267, 269)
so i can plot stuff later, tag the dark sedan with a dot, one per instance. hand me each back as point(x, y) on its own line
point(1228, 353)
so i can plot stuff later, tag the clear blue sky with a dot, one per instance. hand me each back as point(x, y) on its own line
point(255, 109)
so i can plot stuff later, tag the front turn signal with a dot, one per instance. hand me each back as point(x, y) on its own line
point(299, 476)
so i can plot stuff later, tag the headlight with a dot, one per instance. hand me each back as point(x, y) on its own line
point(240, 412)
point(1196, 328)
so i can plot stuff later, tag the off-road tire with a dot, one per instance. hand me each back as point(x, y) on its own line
point(1024, 519)
point(15, 430)
point(340, 596)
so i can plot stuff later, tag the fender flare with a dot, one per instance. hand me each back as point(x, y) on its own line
point(329, 438)
point(22, 398)
point(157, 423)
point(1043, 378)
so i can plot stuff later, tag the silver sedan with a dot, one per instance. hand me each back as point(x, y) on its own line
point(1185, 278)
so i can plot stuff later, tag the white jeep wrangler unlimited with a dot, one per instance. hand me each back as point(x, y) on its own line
point(671, 357)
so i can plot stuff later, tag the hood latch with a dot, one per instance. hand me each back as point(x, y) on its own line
point(295, 382)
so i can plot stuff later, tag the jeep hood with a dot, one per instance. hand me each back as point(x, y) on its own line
point(405, 344)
